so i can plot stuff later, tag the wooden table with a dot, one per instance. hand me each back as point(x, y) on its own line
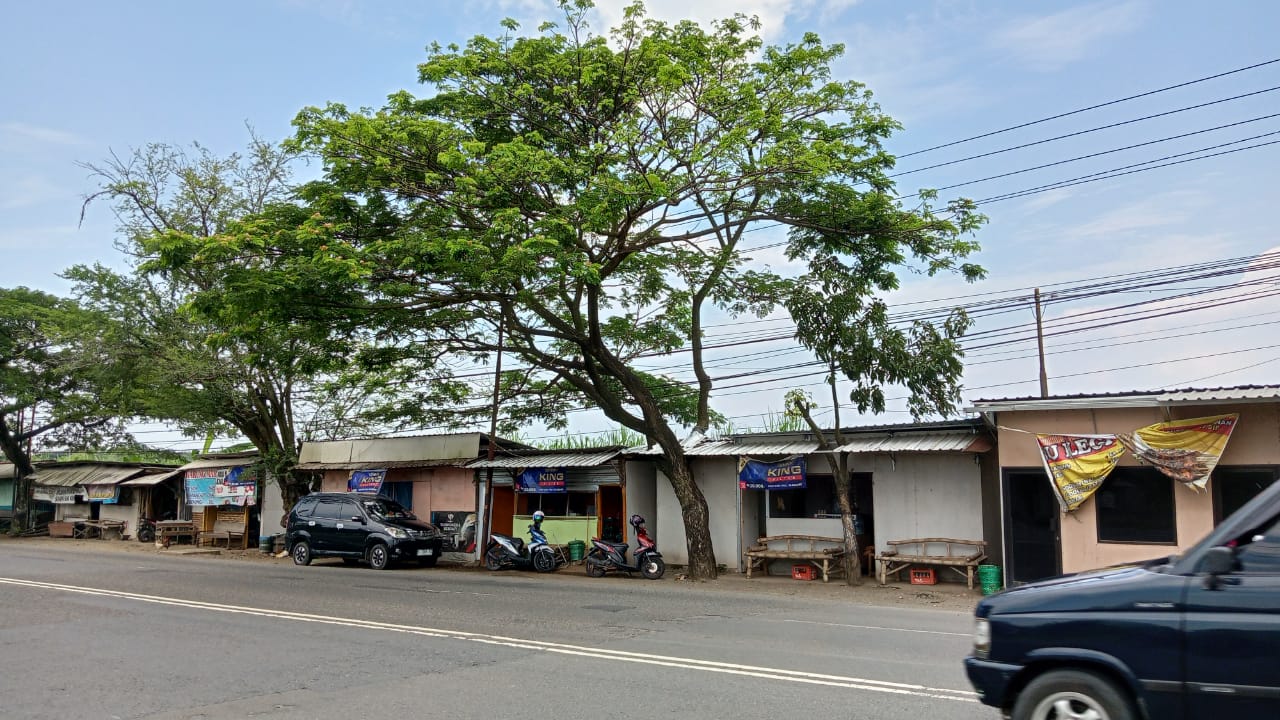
point(176, 530)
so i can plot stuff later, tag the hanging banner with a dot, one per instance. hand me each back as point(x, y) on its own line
point(1077, 464)
point(541, 480)
point(366, 481)
point(103, 493)
point(782, 475)
point(55, 495)
point(1185, 450)
point(222, 486)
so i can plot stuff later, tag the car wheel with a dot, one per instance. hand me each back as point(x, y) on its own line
point(301, 553)
point(595, 564)
point(429, 561)
point(653, 568)
point(1072, 695)
point(379, 556)
point(146, 534)
point(492, 561)
point(544, 561)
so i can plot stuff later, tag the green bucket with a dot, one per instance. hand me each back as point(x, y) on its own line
point(577, 549)
point(989, 578)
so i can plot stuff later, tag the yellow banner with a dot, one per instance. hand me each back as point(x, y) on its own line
point(1185, 450)
point(1077, 464)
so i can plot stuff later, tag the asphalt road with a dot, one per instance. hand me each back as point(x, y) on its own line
point(132, 635)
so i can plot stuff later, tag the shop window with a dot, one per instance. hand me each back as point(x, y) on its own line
point(558, 504)
point(817, 500)
point(1235, 486)
point(1135, 505)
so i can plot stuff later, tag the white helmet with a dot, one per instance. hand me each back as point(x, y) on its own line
point(538, 515)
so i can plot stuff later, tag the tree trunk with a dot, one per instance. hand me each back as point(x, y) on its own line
point(12, 449)
point(697, 528)
point(852, 553)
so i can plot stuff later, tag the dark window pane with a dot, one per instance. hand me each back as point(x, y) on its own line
point(306, 506)
point(1233, 487)
point(329, 509)
point(1136, 505)
point(350, 510)
point(1260, 552)
point(817, 500)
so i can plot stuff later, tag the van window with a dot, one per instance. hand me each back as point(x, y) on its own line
point(329, 508)
point(305, 507)
point(1262, 555)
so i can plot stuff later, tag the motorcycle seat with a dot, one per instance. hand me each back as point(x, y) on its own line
point(620, 547)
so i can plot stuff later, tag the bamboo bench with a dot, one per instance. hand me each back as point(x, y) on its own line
point(902, 554)
point(808, 548)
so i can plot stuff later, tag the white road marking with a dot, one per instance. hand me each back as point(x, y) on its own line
point(797, 676)
point(868, 627)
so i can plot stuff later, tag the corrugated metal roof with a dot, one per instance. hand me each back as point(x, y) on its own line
point(721, 448)
point(559, 460)
point(1134, 398)
point(73, 475)
point(227, 461)
point(154, 479)
point(384, 464)
point(914, 442)
point(8, 470)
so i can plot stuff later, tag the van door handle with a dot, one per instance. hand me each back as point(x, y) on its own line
point(339, 526)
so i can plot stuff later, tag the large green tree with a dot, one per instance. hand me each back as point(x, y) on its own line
point(582, 201)
point(62, 382)
point(216, 364)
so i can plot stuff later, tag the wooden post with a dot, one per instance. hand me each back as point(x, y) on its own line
point(1044, 375)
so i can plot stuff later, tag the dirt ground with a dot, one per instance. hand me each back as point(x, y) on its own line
point(942, 596)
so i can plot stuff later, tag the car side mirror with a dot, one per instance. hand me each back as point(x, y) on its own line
point(357, 518)
point(1215, 562)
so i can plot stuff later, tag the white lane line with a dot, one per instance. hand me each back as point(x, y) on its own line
point(868, 627)
point(797, 676)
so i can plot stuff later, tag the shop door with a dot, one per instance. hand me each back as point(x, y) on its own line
point(611, 524)
point(1031, 527)
point(503, 507)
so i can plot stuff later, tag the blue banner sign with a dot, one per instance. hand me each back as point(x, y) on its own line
point(366, 481)
point(541, 480)
point(783, 475)
point(222, 486)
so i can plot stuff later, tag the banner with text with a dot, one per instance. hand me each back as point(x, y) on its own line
point(56, 495)
point(222, 486)
point(1185, 450)
point(1077, 464)
point(103, 493)
point(366, 481)
point(541, 480)
point(782, 475)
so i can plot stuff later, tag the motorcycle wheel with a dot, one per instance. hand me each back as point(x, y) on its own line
point(544, 561)
point(146, 534)
point(653, 568)
point(595, 564)
point(492, 561)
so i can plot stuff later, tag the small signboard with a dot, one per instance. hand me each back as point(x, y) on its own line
point(366, 481)
point(783, 475)
point(541, 480)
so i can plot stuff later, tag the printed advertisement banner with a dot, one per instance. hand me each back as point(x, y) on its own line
point(366, 481)
point(105, 494)
point(1077, 464)
point(222, 486)
point(783, 475)
point(541, 480)
point(1185, 450)
point(56, 495)
point(458, 528)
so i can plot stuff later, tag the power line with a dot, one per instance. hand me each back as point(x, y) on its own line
point(1091, 107)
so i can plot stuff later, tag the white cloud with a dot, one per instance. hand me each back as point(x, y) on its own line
point(1051, 41)
point(27, 191)
point(16, 135)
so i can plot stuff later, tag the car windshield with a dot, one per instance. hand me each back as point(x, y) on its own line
point(389, 509)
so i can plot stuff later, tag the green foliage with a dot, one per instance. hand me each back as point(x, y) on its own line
point(618, 437)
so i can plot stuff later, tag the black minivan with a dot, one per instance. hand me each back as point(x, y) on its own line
point(1191, 636)
point(356, 527)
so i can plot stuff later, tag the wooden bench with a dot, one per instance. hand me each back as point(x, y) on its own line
point(824, 553)
point(963, 556)
point(228, 527)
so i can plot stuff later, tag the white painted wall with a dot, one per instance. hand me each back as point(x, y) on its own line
point(822, 527)
point(270, 509)
point(718, 480)
point(127, 513)
point(925, 495)
point(642, 496)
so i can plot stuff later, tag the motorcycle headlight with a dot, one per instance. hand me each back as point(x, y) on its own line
point(981, 637)
point(397, 533)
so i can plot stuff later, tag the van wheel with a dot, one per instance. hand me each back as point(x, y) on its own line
point(301, 553)
point(1072, 695)
point(379, 557)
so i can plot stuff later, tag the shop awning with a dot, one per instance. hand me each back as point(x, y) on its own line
point(73, 475)
point(153, 479)
point(546, 460)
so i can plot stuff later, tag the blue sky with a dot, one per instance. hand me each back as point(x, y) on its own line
point(82, 79)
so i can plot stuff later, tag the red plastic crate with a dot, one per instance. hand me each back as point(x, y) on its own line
point(923, 576)
point(803, 572)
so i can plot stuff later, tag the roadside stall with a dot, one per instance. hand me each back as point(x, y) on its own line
point(221, 494)
point(89, 497)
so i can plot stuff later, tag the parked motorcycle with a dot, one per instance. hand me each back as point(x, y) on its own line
point(506, 551)
point(607, 556)
point(147, 528)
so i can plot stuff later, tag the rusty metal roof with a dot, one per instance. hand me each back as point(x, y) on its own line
point(73, 474)
point(549, 459)
point(384, 464)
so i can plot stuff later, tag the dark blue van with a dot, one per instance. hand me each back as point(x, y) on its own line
point(1187, 637)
